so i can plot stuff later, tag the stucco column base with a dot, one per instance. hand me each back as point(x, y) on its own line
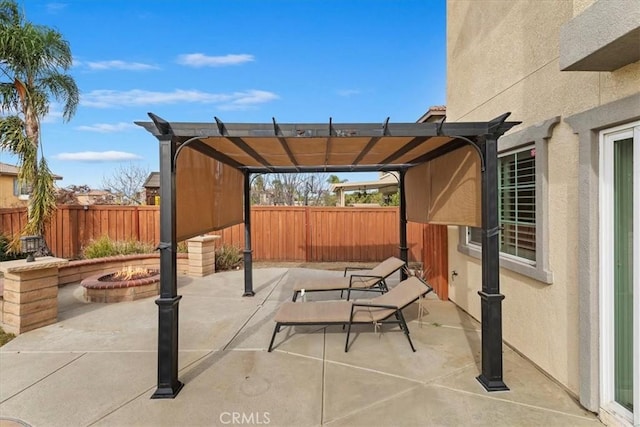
point(202, 255)
point(30, 294)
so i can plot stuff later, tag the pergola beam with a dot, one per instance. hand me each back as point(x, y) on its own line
point(209, 151)
point(241, 144)
point(283, 143)
point(415, 142)
point(467, 129)
point(327, 150)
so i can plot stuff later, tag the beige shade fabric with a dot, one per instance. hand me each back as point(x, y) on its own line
point(209, 194)
point(446, 190)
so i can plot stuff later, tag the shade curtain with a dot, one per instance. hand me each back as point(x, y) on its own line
point(209, 195)
point(446, 190)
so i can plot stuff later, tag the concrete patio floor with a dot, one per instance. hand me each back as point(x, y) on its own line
point(97, 366)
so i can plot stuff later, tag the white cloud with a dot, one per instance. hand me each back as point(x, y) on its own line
point(54, 115)
point(348, 92)
point(107, 127)
point(117, 64)
point(55, 7)
point(97, 156)
point(249, 99)
point(135, 97)
point(202, 60)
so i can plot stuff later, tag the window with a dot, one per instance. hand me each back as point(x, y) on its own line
point(517, 205)
point(523, 201)
point(21, 190)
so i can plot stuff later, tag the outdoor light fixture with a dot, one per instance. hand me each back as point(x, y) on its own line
point(30, 245)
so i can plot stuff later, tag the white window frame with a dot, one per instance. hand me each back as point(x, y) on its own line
point(536, 137)
point(607, 392)
point(18, 190)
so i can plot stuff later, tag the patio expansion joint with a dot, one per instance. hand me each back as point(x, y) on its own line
point(122, 405)
point(324, 372)
point(484, 395)
point(43, 378)
point(440, 325)
point(348, 365)
point(371, 405)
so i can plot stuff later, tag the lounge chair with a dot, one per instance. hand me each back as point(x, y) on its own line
point(360, 279)
point(375, 311)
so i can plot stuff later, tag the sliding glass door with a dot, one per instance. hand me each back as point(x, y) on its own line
point(620, 255)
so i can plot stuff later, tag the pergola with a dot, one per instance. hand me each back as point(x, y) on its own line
point(447, 175)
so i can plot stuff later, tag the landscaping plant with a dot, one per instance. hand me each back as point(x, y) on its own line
point(105, 247)
point(228, 257)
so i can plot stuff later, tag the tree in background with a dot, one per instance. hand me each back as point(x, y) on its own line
point(33, 64)
point(126, 184)
point(374, 197)
point(291, 189)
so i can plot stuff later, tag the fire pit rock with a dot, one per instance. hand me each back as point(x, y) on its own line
point(109, 288)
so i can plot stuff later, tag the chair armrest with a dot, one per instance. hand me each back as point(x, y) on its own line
point(355, 268)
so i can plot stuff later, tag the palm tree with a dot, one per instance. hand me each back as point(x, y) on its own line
point(33, 62)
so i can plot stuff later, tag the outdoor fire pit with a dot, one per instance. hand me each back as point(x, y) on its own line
point(127, 284)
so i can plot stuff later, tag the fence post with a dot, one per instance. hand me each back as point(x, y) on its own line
point(307, 234)
point(136, 223)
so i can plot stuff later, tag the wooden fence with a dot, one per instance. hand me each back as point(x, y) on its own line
point(309, 234)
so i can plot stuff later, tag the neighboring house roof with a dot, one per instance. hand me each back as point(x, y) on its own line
point(11, 170)
point(435, 113)
point(388, 182)
point(153, 181)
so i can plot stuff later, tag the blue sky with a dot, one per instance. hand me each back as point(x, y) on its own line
point(240, 60)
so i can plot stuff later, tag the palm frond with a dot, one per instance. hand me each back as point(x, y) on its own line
point(42, 201)
point(9, 13)
point(9, 99)
point(64, 89)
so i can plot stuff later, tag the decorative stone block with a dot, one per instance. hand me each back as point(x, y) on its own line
point(202, 260)
point(30, 294)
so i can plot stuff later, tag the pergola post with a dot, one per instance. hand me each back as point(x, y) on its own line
point(168, 384)
point(403, 223)
point(491, 299)
point(248, 261)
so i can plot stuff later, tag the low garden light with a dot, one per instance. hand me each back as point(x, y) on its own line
point(30, 245)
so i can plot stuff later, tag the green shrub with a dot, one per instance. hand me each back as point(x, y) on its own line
point(105, 247)
point(228, 257)
point(5, 253)
point(183, 248)
point(5, 337)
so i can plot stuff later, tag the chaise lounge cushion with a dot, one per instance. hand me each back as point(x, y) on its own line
point(382, 270)
point(326, 312)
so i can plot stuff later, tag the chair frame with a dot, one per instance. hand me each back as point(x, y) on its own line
point(379, 286)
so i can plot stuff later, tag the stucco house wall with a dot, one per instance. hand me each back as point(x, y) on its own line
point(504, 56)
point(7, 199)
